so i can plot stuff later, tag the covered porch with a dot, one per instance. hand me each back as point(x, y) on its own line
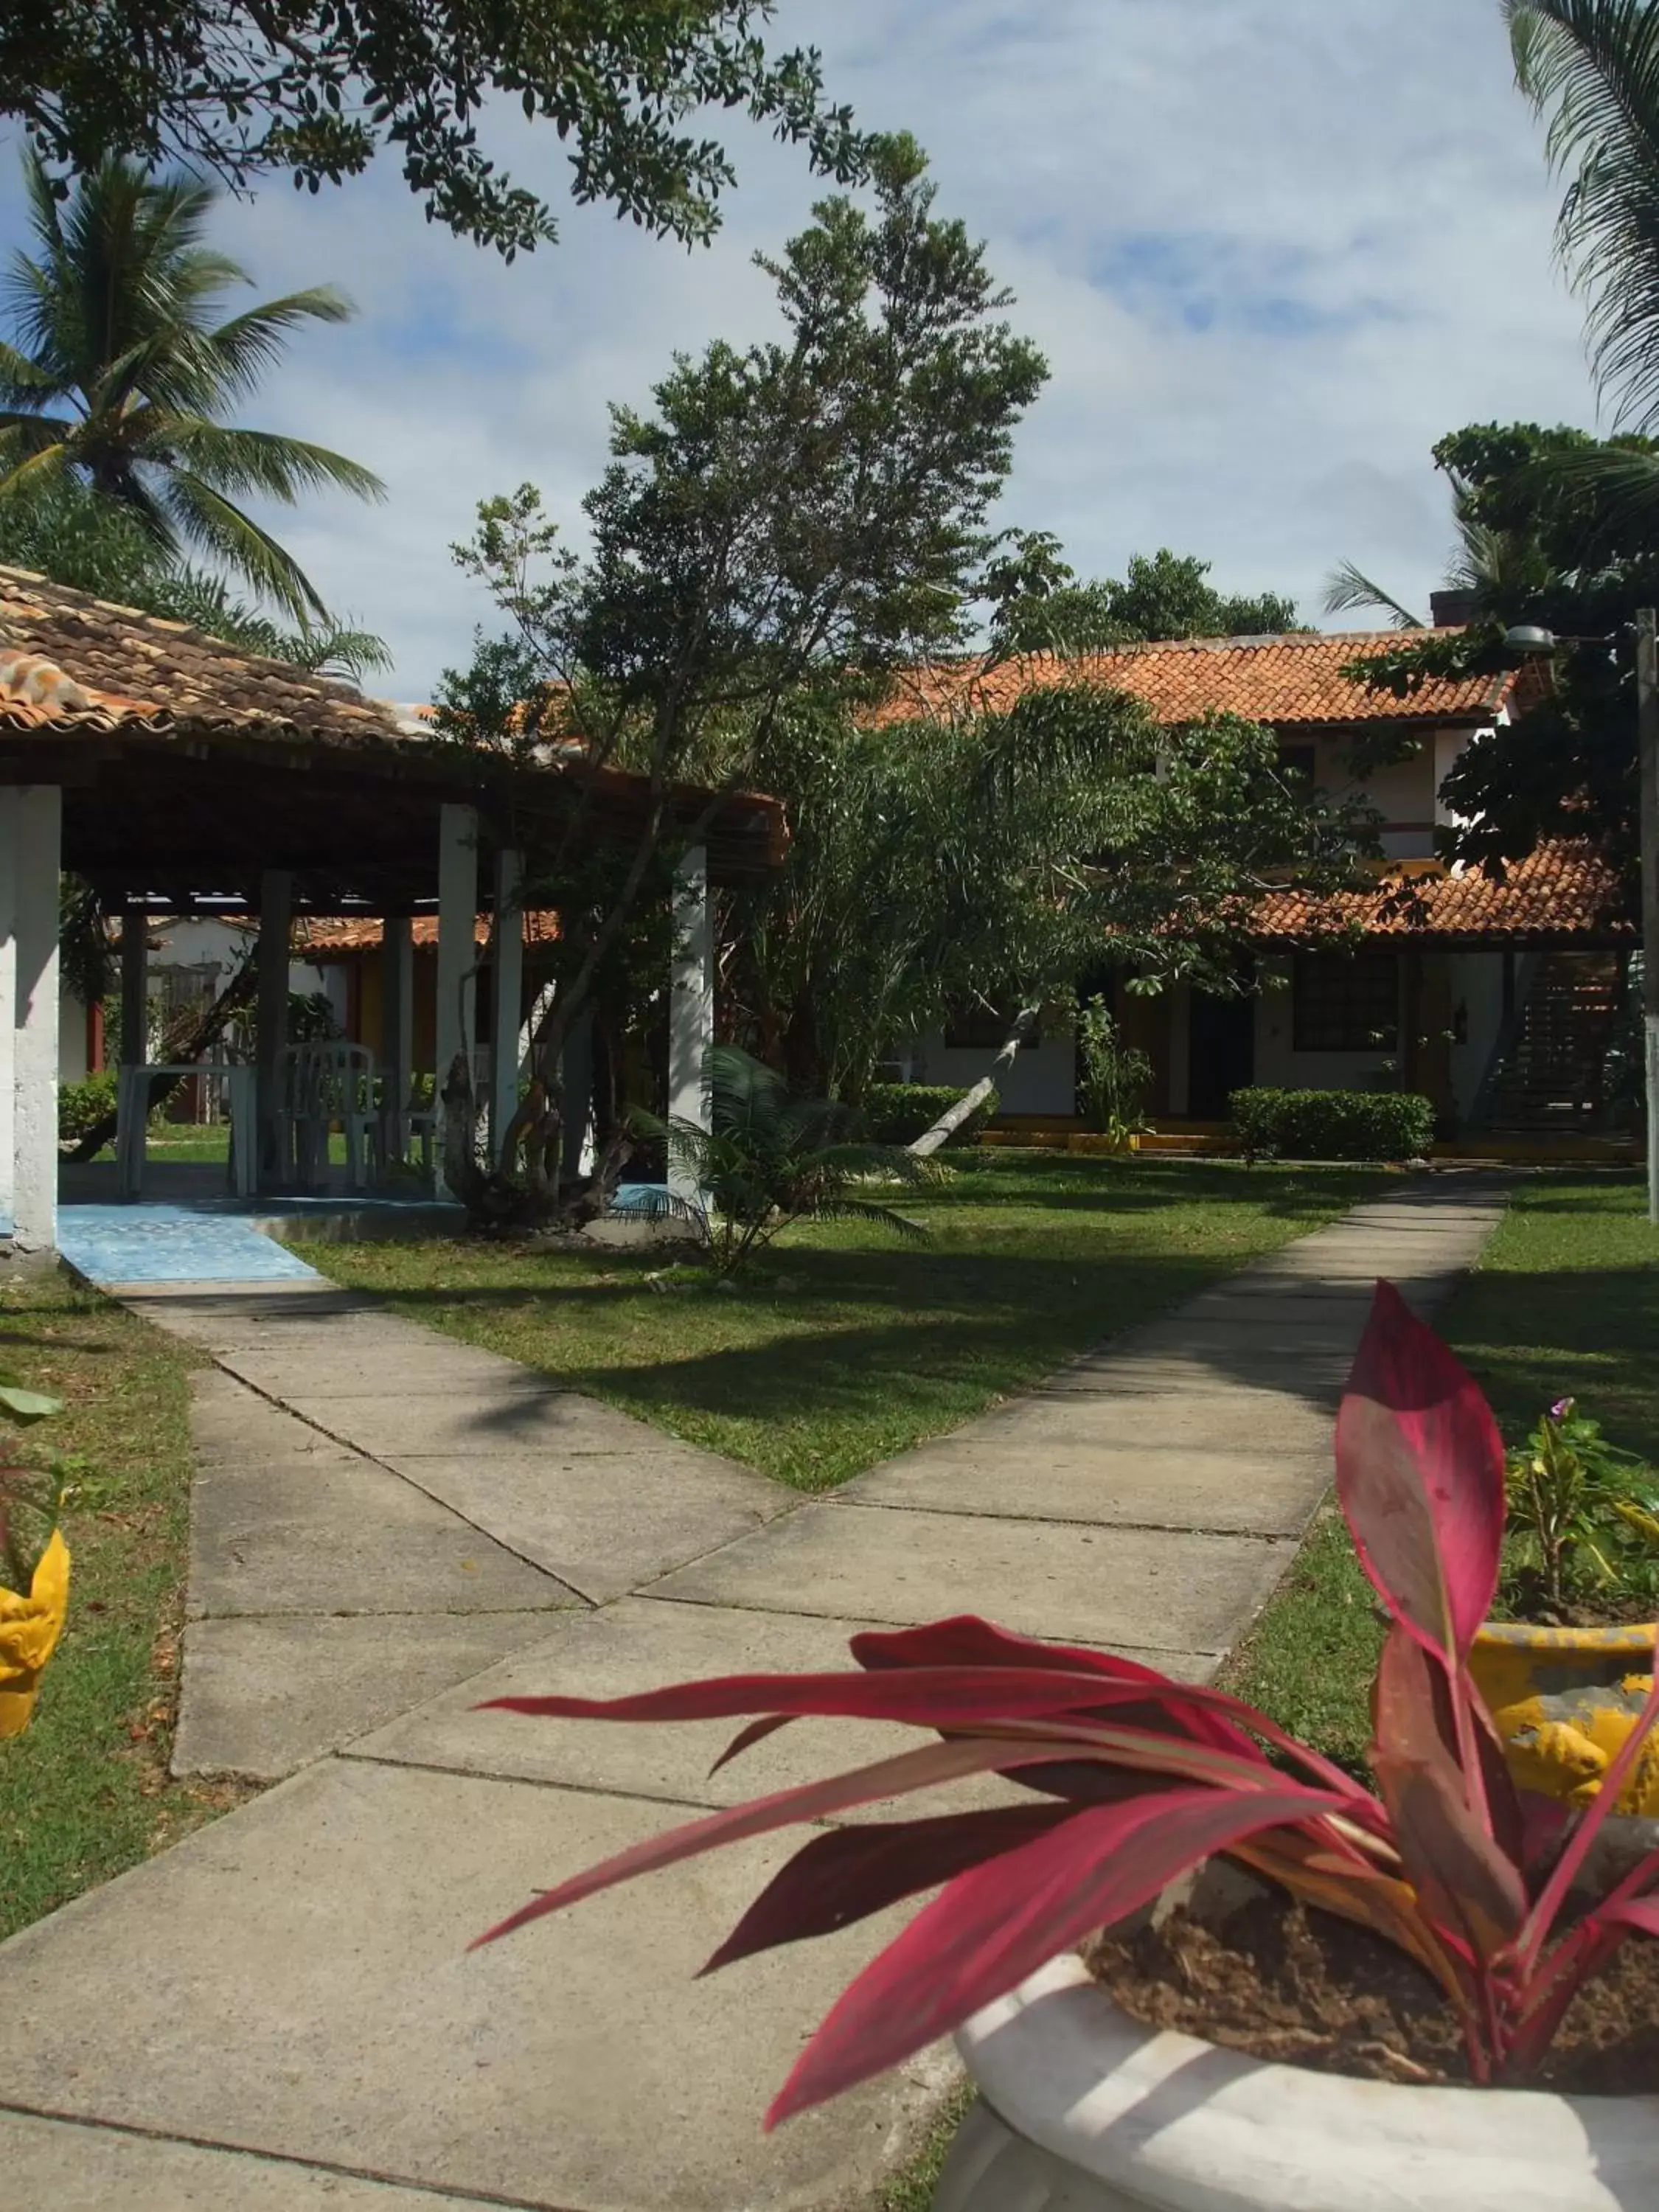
point(178, 778)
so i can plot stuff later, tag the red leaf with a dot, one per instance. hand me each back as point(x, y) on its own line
point(1416, 1711)
point(850, 1873)
point(997, 1924)
point(1419, 1470)
point(1641, 1913)
point(919, 1769)
point(1467, 1889)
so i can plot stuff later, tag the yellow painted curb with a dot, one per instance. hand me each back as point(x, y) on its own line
point(1565, 1701)
point(30, 1629)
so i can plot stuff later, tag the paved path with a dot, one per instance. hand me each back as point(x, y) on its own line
point(280, 2014)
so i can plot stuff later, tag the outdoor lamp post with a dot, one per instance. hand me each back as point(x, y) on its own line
point(1543, 644)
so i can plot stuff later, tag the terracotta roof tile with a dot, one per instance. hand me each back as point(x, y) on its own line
point(126, 666)
point(1295, 681)
point(334, 940)
point(1564, 891)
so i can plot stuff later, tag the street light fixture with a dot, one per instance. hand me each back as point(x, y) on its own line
point(1526, 639)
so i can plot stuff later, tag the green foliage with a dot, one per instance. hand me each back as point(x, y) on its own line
point(768, 1158)
point(82, 1105)
point(120, 375)
point(75, 535)
point(1166, 596)
point(899, 1113)
point(1114, 1078)
point(1592, 67)
point(31, 1501)
point(951, 861)
point(783, 522)
point(314, 89)
point(1332, 1125)
point(1583, 1518)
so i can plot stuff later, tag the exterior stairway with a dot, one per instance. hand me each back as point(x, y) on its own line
point(1552, 1076)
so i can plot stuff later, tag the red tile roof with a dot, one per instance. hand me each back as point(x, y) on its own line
point(335, 940)
point(34, 692)
point(1566, 893)
point(1289, 682)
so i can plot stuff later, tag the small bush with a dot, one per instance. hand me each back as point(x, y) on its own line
point(899, 1113)
point(82, 1104)
point(1333, 1125)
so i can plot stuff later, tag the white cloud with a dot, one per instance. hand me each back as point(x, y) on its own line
point(1272, 248)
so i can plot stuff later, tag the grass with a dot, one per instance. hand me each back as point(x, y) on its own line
point(851, 1345)
point(84, 1791)
point(1565, 1302)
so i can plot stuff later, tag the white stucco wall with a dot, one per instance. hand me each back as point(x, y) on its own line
point(1041, 1080)
point(1280, 1066)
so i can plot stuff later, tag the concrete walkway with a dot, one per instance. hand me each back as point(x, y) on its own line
point(281, 2013)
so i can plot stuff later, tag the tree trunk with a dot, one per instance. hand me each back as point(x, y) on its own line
point(948, 1123)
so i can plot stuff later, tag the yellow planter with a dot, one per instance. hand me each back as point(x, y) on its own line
point(1565, 1699)
point(30, 1629)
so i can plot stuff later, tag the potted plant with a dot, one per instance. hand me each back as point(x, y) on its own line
point(34, 1570)
point(1565, 1672)
point(1492, 1903)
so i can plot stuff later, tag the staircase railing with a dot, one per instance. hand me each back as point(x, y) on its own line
point(1510, 1030)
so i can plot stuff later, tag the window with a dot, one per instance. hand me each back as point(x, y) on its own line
point(985, 1029)
point(1346, 1002)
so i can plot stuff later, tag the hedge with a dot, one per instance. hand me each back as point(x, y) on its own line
point(899, 1113)
point(81, 1104)
point(1333, 1125)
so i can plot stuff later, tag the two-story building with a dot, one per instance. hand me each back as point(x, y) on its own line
point(1498, 1000)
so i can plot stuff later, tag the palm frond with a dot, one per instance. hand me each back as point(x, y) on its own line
point(859, 1209)
point(1348, 590)
point(1591, 67)
point(1624, 483)
point(200, 514)
point(261, 461)
point(249, 344)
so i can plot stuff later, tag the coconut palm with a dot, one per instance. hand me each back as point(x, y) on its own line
point(122, 374)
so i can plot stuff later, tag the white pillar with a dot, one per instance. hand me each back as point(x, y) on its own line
point(270, 1057)
point(507, 998)
point(397, 1029)
point(38, 834)
point(458, 954)
point(8, 798)
point(691, 1002)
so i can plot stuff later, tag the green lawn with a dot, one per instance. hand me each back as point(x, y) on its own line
point(83, 1791)
point(1565, 1304)
point(853, 1344)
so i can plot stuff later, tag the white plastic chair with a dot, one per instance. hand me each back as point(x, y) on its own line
point(328, 1084)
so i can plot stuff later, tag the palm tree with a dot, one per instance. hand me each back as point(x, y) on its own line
point(1592, 67)
point(122, 375)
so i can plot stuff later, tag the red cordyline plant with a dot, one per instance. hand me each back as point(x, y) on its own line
point(1139, 1778)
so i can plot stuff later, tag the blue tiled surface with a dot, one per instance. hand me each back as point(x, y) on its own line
point(162, 1243)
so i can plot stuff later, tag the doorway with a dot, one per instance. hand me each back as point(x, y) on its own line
point(1221, 1053)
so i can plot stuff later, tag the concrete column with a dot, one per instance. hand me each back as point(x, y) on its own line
point(691, 1001)
point(457, 955)
point(8, 809)
point(507, 998)
point(135, 987)
point(276, 919)
point(38, 844)
point(398, 1029)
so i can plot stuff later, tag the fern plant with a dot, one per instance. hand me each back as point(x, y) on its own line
point(768, 1158)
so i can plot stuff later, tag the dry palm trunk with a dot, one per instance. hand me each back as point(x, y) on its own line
point(949, 1122)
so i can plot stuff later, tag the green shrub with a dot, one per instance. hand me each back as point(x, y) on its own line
point(1333, 1125)
point(81, 1104)
point(899, 1113)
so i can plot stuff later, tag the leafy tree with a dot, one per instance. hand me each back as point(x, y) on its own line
point(788, 523)
point(121, 376)
point(315, 86)
point(1163, 597)
point(1557, 547)
point(996, 859)
point(75, 536)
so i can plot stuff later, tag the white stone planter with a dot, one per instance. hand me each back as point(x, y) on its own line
point(1083, 2109)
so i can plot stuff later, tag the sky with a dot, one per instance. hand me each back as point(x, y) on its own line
point(1273, 250)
